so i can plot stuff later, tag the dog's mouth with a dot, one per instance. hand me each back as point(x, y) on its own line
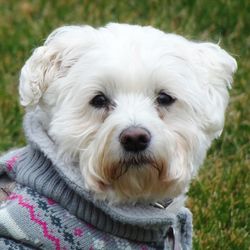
point(136, 162)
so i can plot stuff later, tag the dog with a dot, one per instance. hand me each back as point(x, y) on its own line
point(132, 108)
point(137, 108)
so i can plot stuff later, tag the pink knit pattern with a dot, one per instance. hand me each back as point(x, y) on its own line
point(50, 201)
point(78, 232)
point(11, 162)
point(35, 219)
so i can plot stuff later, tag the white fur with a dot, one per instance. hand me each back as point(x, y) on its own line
point(130, 64)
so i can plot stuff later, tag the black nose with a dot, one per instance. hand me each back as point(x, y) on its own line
point(135, 139)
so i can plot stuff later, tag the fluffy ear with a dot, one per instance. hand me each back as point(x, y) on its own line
point(216, 68)
point(50, 62)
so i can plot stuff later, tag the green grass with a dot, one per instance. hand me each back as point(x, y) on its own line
point(219, 198)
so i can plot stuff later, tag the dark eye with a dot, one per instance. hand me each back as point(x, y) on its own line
point(164, 99)
point(100, 101)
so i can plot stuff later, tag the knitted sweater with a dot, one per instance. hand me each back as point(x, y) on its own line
point(49, 209)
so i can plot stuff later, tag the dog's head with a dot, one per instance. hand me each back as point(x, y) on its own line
point(136, 108)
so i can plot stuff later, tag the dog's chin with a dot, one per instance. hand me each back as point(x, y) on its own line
point(136, 179)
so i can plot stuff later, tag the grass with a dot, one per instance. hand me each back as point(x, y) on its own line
point(219, 198)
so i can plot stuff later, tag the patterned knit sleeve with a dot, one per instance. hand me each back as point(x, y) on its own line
point(7, 173)
point(8, 163)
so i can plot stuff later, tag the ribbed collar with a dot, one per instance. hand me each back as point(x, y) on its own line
point(42, 171)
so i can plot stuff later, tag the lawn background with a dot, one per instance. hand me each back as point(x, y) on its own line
point(219, 198)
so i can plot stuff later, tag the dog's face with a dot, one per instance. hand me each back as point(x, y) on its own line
point(136, 108)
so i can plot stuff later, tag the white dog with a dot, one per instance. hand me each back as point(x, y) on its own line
point(118, 121)
point(135, 108)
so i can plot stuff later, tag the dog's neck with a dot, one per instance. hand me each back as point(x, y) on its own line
point(41, 170)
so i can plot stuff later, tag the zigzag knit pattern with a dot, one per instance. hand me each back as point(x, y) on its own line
point(40, 223)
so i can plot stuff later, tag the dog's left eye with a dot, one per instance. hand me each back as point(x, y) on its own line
point(100, 101)
point(164, 99)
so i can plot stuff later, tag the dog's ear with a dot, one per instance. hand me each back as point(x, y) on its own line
point(50, 62)
point(216, 67)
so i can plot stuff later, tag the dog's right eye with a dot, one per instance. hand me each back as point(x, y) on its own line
point(100, 101)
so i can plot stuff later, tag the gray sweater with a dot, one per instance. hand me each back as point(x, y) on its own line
point(49, 209)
